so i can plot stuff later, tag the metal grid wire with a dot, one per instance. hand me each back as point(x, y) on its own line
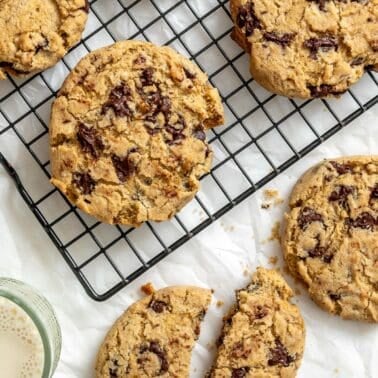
point(264, 134)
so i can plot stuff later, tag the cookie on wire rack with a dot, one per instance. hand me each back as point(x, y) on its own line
point(127, 132)
point(155, 336)
point(35, 34)
point(264, 334)
point(307, 48)
point(331, 236)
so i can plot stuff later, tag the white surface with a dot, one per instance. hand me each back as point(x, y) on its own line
point(216, 259)
point(218, 256)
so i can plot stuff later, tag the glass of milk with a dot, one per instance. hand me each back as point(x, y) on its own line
point(30, 338)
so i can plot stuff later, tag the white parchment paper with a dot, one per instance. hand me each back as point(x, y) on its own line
point(217, 258)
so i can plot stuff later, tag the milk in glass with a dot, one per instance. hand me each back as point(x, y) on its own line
point(21, 346)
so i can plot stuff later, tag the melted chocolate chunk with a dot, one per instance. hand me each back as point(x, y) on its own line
point(86, 6)
point(324, 90)
point(322, 3)
point(84, 182)
point(335, 297)
point(123, 166)
point(140, 60)
point(284, 39)
point(162, 104)
point(239, 373)
point(325, 43)
point(146, 77)
point(357, 61)
point(156, 349)
point(366, 221)
point(320, 252)
point(10, 66)
point(158, 306)
point(374, 193)
point(260, 312)
point(118, 101)
point(279, 355)
point(89, 140)
point(190, 75)
point(341, 169)
point(199, 133)
point(247, 19)
point(341, 194)
point(176, 131)
point(307, 216)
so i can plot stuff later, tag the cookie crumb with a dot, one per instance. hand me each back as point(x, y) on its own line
point(271, 193)
point(246, 272)
point(273, 260)
point(297, 291)
point(220, 303)
point(275, 233)
point(271, 197)
point(148, 288)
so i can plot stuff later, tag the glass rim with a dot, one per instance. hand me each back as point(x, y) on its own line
point(15, 298)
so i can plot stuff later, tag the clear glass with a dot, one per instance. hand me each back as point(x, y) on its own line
point(43, 316)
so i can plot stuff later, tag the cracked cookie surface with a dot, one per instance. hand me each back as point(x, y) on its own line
point(127, 132)
point(307, 48)
point(35, 34)
point(331, 236)
point(155, 336)
point(264, 334)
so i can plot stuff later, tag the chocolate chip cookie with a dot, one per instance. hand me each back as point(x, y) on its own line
point(155, 336)
point(331, 236)
point(264, 334)
point(307, 48)
point(35, 34)
point(127, 132)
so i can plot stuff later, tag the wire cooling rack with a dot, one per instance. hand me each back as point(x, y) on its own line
point(264, 134)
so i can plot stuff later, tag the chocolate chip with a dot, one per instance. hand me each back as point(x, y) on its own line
point(341, 193)
point(190, 75)
point(260, 312)
point(176, 131)
point(146, 77)
point(10, 66)
point(84, 182)
point(239, 373)
point(374, 45)
point(279, 355)
point(118, 101)
point(284, 39)
point(357, 61)
point(335, 297)
point(247, 19)
point(239, 351)
point(307, 216)
point(42, 45)
point(89, 140)
point(86, 6)
point(322, 3)
point(156, 349)
point(325, 43)
point(158, 306)
point(366, 221)
point(374, 193)
point(324, 90)
point(320, 252)
point(199, 133)
point(123, 166)
point(341, 169)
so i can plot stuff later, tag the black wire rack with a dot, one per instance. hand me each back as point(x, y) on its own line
point(264, 135)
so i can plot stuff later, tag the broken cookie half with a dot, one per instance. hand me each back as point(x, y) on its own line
point(264, 334)
point(155, 336)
